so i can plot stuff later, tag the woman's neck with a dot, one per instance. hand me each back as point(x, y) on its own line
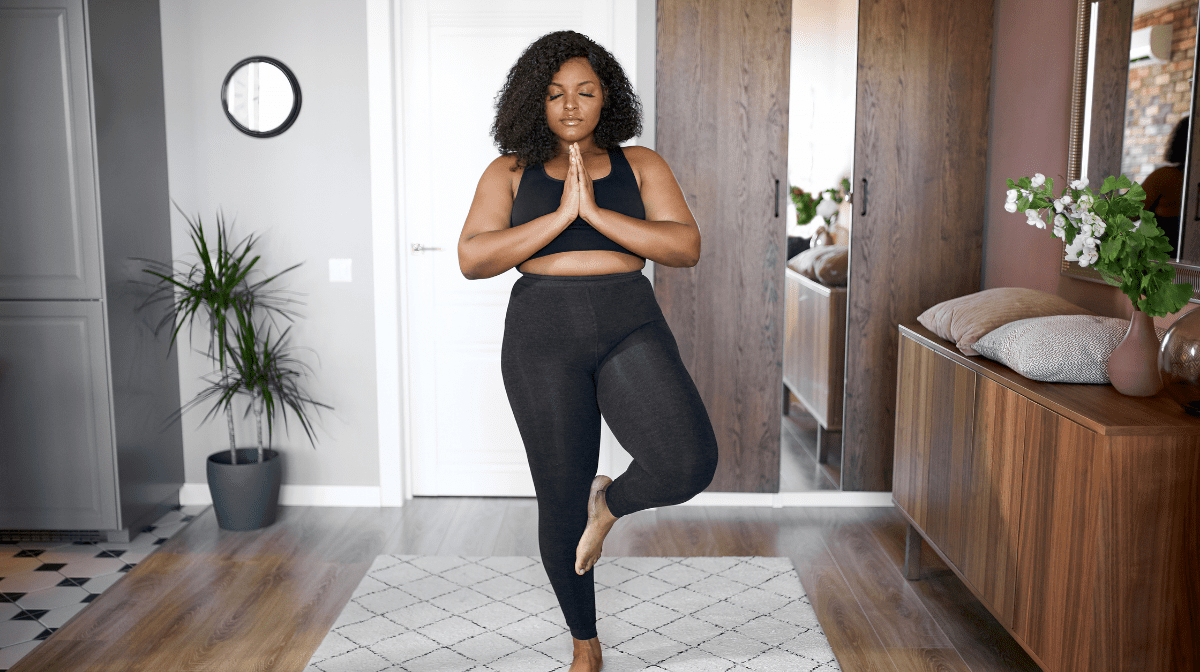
point(586, 146)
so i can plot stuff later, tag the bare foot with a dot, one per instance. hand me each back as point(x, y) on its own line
point(600, 521)
point(587, 656)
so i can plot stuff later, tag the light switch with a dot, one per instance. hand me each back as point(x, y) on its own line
point(339, 270)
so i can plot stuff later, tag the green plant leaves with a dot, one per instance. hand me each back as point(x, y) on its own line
point(1133, 252)
point(224, 292)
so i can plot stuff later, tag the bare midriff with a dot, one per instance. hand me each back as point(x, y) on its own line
point(584, 262)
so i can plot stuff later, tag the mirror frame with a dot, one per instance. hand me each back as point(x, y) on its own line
point(1184, 272)
point(291, 77)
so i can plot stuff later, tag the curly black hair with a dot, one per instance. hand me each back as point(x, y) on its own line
point(520, 127)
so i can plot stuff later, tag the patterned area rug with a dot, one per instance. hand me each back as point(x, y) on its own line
point(498, 614)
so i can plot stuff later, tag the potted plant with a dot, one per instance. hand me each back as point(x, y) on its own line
point(238, 308)
point(1114, 234)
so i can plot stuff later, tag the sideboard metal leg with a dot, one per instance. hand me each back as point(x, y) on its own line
point(912, 554)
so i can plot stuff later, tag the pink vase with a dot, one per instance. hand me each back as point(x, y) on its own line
point(1133, 365)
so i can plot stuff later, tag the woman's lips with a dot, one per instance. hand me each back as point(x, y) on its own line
point(572, 121)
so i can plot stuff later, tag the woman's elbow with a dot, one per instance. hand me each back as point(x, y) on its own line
point(468, 266)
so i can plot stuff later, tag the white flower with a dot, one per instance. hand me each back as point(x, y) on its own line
point(1066, 199)
point(1038, 180)
point(826, 208)
point(1085, 201)
point(1081, 183)
point(1058, 205)
point(1012, 196)
point(1088, 257)
point(1098, 227)
point(1085, 229)
point(1060, 221)
point(1033, 218)
point(1011, 206)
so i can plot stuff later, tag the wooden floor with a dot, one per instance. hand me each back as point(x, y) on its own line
point(217, 600)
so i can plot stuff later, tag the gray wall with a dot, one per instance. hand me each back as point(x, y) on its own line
point(306, 192)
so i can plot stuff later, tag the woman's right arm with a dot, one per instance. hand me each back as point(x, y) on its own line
point(488, 246)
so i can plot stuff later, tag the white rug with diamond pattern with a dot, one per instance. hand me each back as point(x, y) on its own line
point(498, 614)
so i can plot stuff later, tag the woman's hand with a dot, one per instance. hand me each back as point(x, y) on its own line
point(568, 207)
point(588, 209)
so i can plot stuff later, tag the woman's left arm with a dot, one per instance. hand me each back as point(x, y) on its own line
point(668, 235)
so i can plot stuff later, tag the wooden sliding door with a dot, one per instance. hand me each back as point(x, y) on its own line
point(722, 125)
point(920, 173)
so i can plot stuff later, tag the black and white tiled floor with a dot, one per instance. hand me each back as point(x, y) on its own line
point(44, 584)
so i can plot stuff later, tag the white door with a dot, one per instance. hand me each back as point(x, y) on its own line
point(454, 56)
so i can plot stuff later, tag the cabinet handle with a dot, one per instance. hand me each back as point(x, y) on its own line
point(863, 199)
point(776, 198)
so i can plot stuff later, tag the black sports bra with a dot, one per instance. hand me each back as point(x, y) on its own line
point(539, 194)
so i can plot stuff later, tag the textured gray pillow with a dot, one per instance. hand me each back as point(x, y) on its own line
point(1056, 349)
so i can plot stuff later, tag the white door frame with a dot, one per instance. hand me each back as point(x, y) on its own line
point(391, 318)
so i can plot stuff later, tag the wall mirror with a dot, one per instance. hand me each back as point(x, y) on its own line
point(1135, 66)
point(261, 97)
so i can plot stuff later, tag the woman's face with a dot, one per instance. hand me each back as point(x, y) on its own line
point(574, 100)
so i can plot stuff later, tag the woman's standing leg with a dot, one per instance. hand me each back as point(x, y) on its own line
point(548, 360)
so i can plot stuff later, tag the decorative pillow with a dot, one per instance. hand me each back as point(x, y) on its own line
point(825, 264)
point(830, 267)
point(1057, 349)
point(965, 319)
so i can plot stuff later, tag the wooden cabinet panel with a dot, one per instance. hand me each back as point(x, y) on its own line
point(814, 347)
point(992, 492)
point(1150, 535)
point(1057, 551)
point(722, 125)
point(933, 424)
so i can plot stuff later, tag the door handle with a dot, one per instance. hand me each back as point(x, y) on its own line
point(863, 200)
point(417, 247)
point(776, 198)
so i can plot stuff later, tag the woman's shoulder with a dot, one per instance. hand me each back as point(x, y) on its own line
point(504, 169)
point(506, 163)
point(637, 154)
point(645, 161)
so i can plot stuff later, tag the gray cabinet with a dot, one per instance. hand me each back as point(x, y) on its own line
point(86, 390)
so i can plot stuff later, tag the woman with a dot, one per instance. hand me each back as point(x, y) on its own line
point(578, 216)
point(1164, 186)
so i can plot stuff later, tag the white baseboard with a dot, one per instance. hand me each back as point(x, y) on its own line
point(788, 499)
point(192, 494)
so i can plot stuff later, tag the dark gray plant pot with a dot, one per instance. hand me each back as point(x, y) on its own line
point(245, 495)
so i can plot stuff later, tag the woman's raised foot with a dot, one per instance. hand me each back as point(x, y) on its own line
point(600, 521)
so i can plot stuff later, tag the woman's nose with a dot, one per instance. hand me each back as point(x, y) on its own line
point(570, 103)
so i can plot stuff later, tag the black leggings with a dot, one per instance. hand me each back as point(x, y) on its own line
point(576, 347)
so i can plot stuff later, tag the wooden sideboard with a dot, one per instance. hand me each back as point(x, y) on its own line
point(814, 347)
point(1071, 511)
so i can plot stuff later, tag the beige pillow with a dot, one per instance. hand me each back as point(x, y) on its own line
point(830, 267)
point(825, 264)
point(1057, 349)
point(965, 319)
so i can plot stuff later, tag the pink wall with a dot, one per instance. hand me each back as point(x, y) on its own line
point(1030, 120)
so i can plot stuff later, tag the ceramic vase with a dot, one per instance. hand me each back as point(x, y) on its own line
point(1133, 365)
point(1179, 362)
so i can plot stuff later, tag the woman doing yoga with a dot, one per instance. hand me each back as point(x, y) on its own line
point(578, 215)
